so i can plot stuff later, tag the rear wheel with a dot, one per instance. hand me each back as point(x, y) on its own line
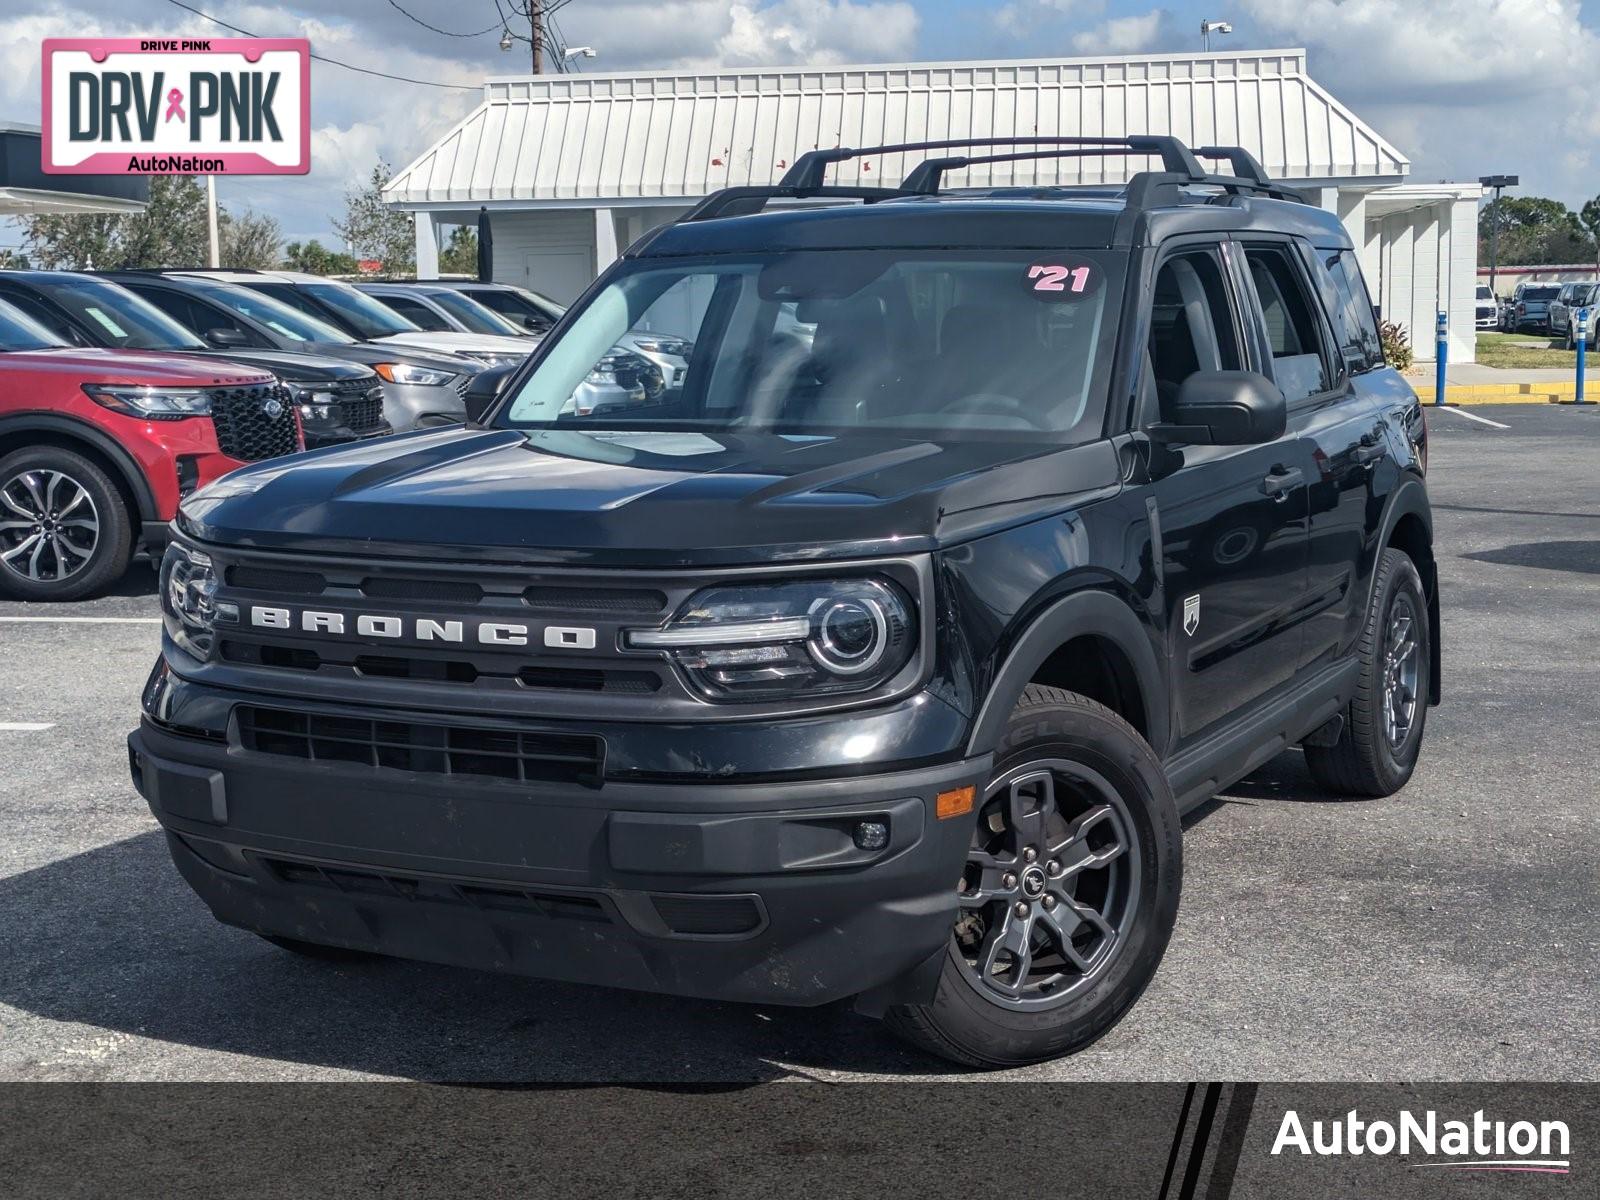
point(65, 530)
point(1382, 735)
point(1069, 894)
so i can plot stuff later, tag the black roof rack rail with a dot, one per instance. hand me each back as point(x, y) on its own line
point(738, 201)
point(806, 179)
point(1246, 167)
point(809, 169)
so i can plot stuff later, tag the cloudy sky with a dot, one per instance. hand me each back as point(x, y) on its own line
point(1465, 87)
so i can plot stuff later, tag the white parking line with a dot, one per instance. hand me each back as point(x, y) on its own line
point(25, 726)
point(1461, 412)
point(80, 620)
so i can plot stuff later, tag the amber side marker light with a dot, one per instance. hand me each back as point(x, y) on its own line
point(953, 804)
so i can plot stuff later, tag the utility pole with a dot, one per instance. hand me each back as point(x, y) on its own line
point(536, 22)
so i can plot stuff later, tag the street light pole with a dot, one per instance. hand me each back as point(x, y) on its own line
point(1497, 182)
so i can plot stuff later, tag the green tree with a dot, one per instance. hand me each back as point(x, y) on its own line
point(1589, 218)
point(1535, 229)
point(316, 259)
point(460, 253)
point(374, 230)
point(170, 232)
point(248, 241)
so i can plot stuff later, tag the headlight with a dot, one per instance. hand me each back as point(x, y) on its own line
point(406, 373)
point(493, 358)
point(676, 347)
point(628, 371)
point(151, 403)
point(770, 641)
point(189, 604)
point(321, 407)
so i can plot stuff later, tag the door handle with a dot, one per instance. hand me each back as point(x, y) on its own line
point(1368, 452)
point(1280, 481)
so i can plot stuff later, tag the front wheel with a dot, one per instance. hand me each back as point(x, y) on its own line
point(1382, 735)
point(65, 530)
point(1069, 894)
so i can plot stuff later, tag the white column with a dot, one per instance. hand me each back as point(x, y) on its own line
point(1460, 250)
point(605, 239)
point(427, 245)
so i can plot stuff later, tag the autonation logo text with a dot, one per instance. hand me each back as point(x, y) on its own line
point(1478, 1144)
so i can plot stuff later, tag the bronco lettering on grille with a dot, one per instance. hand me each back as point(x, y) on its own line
point(422, 629)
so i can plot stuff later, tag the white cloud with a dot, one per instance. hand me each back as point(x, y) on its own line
point(1463, 87)
point(1124, 35)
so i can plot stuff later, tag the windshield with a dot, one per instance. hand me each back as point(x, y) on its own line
point(519, 304)
point(1484, 293)
point(119, 318)
point(1541, 293)
point(474, 316)
point(275, 315)
point(996, 343)
point(370, 318)
point(18, 331)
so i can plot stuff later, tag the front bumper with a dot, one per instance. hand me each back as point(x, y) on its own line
point(734, 891)
point(410, 405)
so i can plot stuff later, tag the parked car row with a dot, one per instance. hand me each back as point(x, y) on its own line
point(121, 392)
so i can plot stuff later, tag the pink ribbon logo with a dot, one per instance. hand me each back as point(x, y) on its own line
point(175, 105)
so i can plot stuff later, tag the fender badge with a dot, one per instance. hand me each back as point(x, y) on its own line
point(1191, 614)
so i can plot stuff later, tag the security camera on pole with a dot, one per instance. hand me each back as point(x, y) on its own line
point(1207, 28)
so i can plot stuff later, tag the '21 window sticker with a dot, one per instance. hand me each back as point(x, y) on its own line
point(1062, 280)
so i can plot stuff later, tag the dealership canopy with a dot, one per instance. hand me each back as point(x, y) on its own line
point(25, 190)
point(570, 167)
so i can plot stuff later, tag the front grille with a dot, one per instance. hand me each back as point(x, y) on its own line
point(272, 579)
point(446, 590)
point(509, 754)
point(254, 423)
point(505, 897)
point(362, 403)
point(610, 601)
point(425, 668)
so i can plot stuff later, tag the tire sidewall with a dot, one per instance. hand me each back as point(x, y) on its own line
point(111, 554)
point(998, 1034)
point(1402, 576)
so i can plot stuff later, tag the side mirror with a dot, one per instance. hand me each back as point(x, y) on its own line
point(534, 325)
point(1225, 408)
point(226, 338)
point(484, 390)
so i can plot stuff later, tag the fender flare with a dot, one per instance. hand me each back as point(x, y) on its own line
point(1093, 613)
point(1410, 498)
point(82, 431)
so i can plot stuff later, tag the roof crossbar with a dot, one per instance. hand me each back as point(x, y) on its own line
point(811, 167)
point(806, 180)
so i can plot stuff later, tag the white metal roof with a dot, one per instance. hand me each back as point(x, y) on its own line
point(576, 140)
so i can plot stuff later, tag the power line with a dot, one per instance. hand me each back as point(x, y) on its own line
point(435, 28)
point(463, 87)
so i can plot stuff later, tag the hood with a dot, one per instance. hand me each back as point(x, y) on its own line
point(369, 353)
point(644, 499)
point(294, 367)
point(152, 368)
point(462, 343)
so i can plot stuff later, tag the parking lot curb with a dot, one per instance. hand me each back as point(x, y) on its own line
point(1502, 393)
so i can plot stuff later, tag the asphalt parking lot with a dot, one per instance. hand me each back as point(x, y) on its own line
point(1450, 932)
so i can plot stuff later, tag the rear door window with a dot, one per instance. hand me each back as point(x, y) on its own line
point(1344, 296)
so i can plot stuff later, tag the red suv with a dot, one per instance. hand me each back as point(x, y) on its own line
point(98, 446)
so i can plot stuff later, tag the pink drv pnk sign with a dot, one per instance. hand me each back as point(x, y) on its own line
point(170, 106)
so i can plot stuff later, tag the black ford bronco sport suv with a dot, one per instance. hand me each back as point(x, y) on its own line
point(987, 531)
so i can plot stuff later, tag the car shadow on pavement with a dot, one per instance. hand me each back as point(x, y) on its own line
point(1582, 556)
point(113, 940)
